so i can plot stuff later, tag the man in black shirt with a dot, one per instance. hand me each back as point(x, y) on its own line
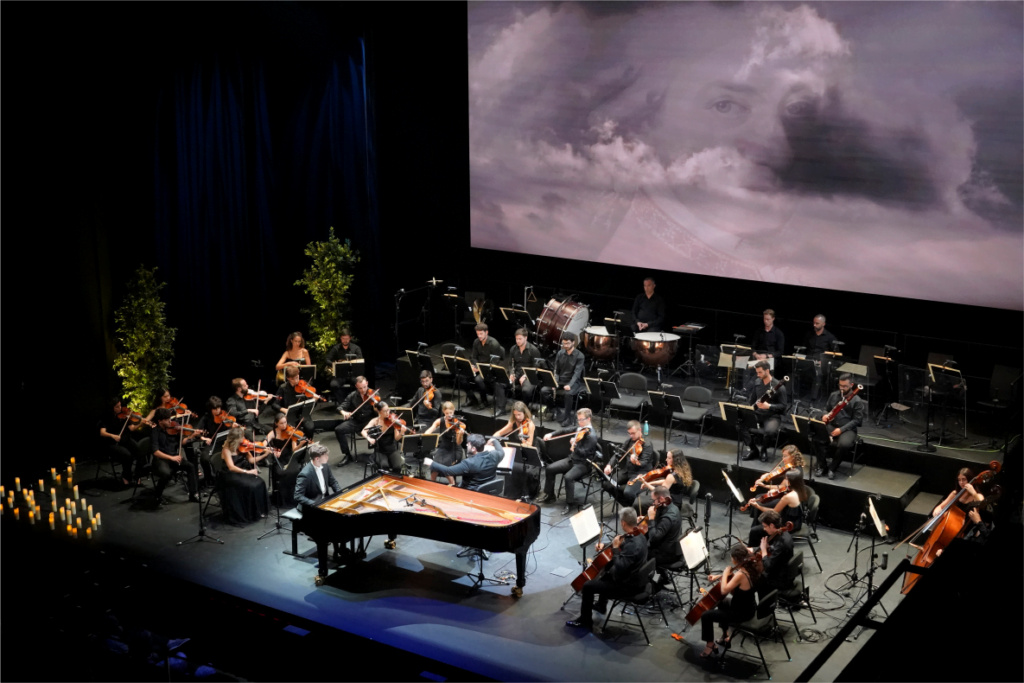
point(426, 411)
point(289, 397)
point(569, 375)
point(842, 429)
point(343, 351)
point(479, 467)
point(818, 341)
point(167, 458)
point(120, 438)
point(521, 355)
point(621, 577)
point(665, 528)
point(777, 550)
point(582, 452)
point(486, 349)
point(648, 309)
point(769, 342)
point(769, 414)
point(639, 461)
point(246, 412)
point(356, 411)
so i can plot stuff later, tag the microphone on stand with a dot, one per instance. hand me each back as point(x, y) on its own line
point(885, 561)
point(737, 337)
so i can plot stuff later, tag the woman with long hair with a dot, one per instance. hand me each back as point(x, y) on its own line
point(737, 605)
point(243, 494)
point(789, 506)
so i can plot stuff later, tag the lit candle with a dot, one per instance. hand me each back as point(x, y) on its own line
point(99, 522)
point(52, 525)
point(73, 466)
point(17, 513)
point(76, 492)
point(40, 486)
point(2, 494)
point(53, 473)
point(69, 484)
point(69, 472)
point(83, 505)
point(31, 517)
point(59, 479)
point(69, 529)
point(67, 503)
point(89, 508)
point(88, 533)
point(94, 524)
point(10, 503)
point(17, 483)
point(53, 497)
point(62, 517)
point(74, 509)
point(74, 533)
point(78, 522)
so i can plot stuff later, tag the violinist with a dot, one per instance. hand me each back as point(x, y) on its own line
point(356, 411)
point(282, 444)
point(162, 399)
point(244, 409)
point(568, 372)
point(243, 494)
point(583, 450)
point(776, 547)
point(769, 413)
point(290, 396)
point(521, 355)
point(789, 506)
point(678, 481)
point(385, 443)
point(167, 458)
point(426, 399)
point(118, 434)
point(665, 529)
point(342, 351)
point(520, 426)
point(843, 428)
point(453, 433)
point(621, 577)
point(738, 583)
point(212, 423)
point(295, 354)
point(637, 458)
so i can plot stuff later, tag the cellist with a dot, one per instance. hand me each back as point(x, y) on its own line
point(776, 547)
point(738, 581)
point(969, 495)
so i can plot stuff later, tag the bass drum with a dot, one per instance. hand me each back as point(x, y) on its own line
point(656, 349)
point(599, 343)
point(559, 317)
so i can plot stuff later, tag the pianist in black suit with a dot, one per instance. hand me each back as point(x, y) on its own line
point(479, 467)
point(315, 479)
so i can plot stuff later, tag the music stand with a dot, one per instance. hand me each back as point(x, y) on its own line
point(885, 369)
point(587, 529)
point(814, 430)
point(829, 360)
point(519, 317)
point(944, 380)
point(695, 554)
point(728, 359)
point(742, 416)
point(498, 374)
point(464, 369)
point(307, 372)
point(728, 536)
point(301, 406)
point(688, 367)
point(415, 445)
point(540, 379)
point(668, 405)
point(799, 367)
point(528, 456)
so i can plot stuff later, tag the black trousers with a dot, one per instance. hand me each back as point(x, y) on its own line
point(477, 388)
point(770, 427)
point(165, 469)
point(344, 430)
point(127, 453)
point(842, 448)
point(721, 614)
point(573, 471)
point(548, 398)
point(523, 392)
point(625, 494)
point(388, 459)
point(608, 590)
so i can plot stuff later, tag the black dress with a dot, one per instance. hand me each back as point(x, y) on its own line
point(681, 497)
point(243, 497)
point(447, 452)
point(739, 606)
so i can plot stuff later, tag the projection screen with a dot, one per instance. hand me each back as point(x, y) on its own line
point(864, 146)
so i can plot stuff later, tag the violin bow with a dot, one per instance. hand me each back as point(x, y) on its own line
point(371, 395)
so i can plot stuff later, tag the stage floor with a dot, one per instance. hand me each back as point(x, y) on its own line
point(416, 597)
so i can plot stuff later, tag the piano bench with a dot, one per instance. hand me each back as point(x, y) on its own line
point(293, 515)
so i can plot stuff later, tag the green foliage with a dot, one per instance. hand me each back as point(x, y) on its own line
point(327, 282)
point(144, 341)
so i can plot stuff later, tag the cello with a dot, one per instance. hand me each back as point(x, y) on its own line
point(942, 529)
point(604, 557)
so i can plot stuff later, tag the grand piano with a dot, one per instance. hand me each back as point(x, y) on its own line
point(393, 505)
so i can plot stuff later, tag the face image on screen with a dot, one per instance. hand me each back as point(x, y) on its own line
point(860, 146)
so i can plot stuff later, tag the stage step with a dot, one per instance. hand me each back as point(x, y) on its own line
point(918, 511)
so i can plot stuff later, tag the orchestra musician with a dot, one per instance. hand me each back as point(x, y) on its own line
point(678, 481)
point(769, 414)
point(449, 446)
point(288, 396)
point(639, 460)
point(621, 577)
point(295, 354)
point(970, 494)
point(818, 340)
point(246, 412)
point(426, 410)
point(583, 450)
point(777, 550)
point(211, 427)
point(356, 411)
point(161, 399)
point(648, 309)
point(521, 428)
point(568, 373)
point(282, 446)
point(315, 479)
point(344, 350)
point(484, 347)
point(480, 465)
point(388, 455)
point(521, 355)
point(120, 438)
point(738, 583)
point(769, 342)
point(168, 459)
point(665, 529)
point(789, 506)
point(243, 493)
point(843, 428)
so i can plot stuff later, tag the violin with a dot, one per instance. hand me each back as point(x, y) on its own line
point(524, 431)
point(258, 448)
point(133, 417)
point(258, 396)
point(635, 449)
point(780, 469)
point(454, 423)
point(226, 420)
point(187, 431)
point(176, 406)
point(768, 496)
point(652, 475)
point(303, 387)
point(390, 420)
point(294, 435)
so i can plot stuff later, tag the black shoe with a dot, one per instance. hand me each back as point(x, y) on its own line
point(566, 422)
point(752, 455)
point(580, 623)
point(764, 457)
point(818, 472)
point(345, 459)
point(194, 498)
point(831, 475)
point(542, 498)
point(567, 509)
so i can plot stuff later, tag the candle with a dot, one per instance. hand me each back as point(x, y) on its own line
point(31, 517)
point(53, 497)
point(67, 503)
point(40, 485)
point(2, 494)
point(52, 525)
point(74, 533)
point(62, 517)
point(69, 529)
point(53, 473)
point(94, 524)
point(89, 508)
point(76, 492)
point(99, 522)
point(74, 509)
point(17, 483)
point(78, 522)
point(83, 505)
point(73, 466)
point(88, 533)
point(17, 513)
point(69, 484)
point(69, 472)
point(59, 480)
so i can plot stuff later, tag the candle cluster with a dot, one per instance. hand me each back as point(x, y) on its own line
point(75, 514)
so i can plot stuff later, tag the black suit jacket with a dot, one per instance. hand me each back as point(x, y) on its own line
point(307, 488)
point(663, 536)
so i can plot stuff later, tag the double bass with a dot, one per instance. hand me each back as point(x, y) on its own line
point(942, 529)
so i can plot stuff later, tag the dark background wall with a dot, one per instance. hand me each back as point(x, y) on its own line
point(115, 112)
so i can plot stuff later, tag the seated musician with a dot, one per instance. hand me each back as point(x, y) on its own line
point(843, 428)
point(777, 550)
point(521, 355)
point(119, 437)
point(480, 466)
point(637, 459)
point(678, 482)
point(449, 446)
point(295, 354)
point(243, 494)
point(315, 479)
point(738, 603)
point(244, 411)
point(621, 577)
point(583, 450)
point(648, 309)
point(768, 342)
point(665, 529)
point(385, 443)
point(210, 426)
point(969, 494)
point(161, 399)
point(520, 428)
point(484, 347)
point(344, 350)
point(283, 446)
point(357, 411)
point(167, 458)
point(426, 410)
point(769, 414)
point(568, 373)
point(289, 397)
point(789, 506)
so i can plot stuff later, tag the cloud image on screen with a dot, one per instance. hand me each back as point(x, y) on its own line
point(870, 147)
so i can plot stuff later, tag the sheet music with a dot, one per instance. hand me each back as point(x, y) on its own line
point(694, 549)
point(879, 526)
point(735, 491)
point(585, 526)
